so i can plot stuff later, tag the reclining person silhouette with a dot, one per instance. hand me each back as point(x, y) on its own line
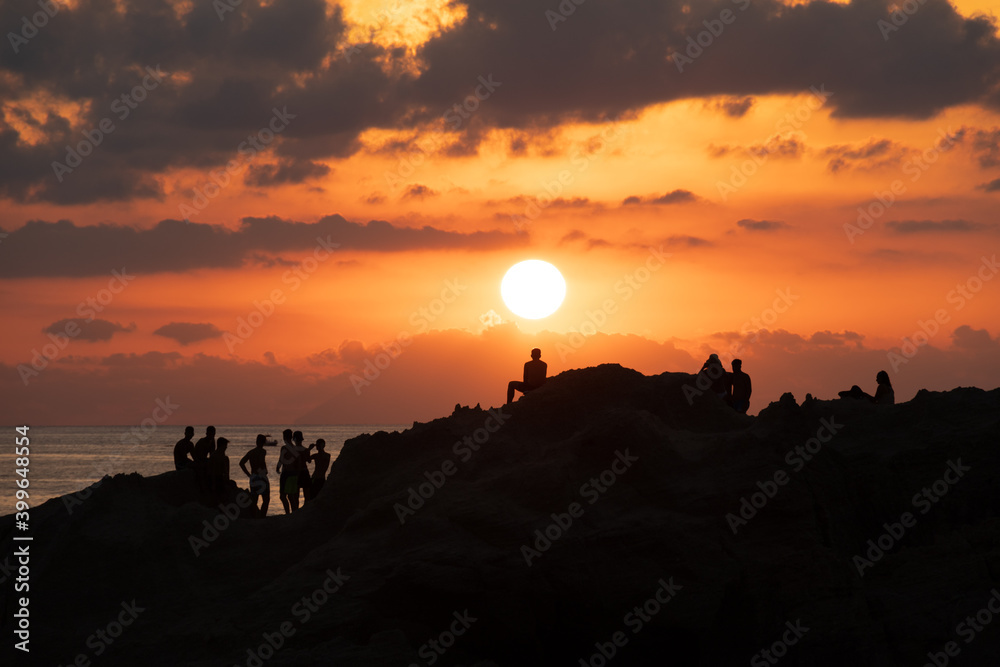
point(534, 376)
point(884, 395)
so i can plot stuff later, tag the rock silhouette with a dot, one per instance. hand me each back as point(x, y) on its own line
point(660, 519)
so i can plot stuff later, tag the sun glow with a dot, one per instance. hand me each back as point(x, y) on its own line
point(533, 289)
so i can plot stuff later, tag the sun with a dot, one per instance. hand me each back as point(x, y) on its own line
point(533, 289)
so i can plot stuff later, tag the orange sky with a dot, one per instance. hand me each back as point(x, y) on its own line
point(784, 226)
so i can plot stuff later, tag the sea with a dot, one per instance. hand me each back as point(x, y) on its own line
point(67, 459)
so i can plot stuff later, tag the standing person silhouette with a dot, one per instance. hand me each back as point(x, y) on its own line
point(301, 466)
point(218, 464)
point(259, 484)
point(739, 387)
point(205, 446)
point(288, 481)
point(184, 450)
point(322, 460)
point(534, 376)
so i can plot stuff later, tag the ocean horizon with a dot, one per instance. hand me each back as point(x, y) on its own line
point(68, 459)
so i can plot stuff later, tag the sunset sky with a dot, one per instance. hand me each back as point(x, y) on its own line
point(255, 202)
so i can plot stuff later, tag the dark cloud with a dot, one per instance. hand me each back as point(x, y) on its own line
point(186, 333)
point(221, 79)
point(762, 225)
point(289, 170)
point(992, 186)
point(778, 146)
point(873, 154)
point(933, 226)
point(64, 249)
point(986, 147)
point(673, 197)
point(92, 331)
point(689, 241)
point(419, 192)
point(967, 338)
point(735, 107)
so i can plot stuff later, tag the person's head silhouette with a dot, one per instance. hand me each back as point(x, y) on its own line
point(297, 437)
point(737, 364)
point(189, 432)
point(261, 439)
point(221, 445)
point(536, 354)
point(286, 435)
point(210, 431)
point(882, 378)
point(321, 444)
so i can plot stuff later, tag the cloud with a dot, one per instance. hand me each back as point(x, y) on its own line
point(288, 170)
point(935, 226)
point(734, 107)
point(92, 331)
point(992, 186)
point(788, 147)
point(419, 192)
point(186, 333)
point(673, 197)
point(986, 147)
point(689, 241)
point(967, 338)
point(65, 249)
point(762, 225)
point(873, 154)
point(221, 79)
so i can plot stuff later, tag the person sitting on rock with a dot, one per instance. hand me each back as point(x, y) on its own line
point(534, 376)
point(184, 450)
point(715, 373)
point(884, 395)
point(738, 387)
point(260, 485)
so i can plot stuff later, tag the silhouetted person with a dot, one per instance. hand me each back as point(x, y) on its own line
point(288, 481)
point(884, 395)
point(322, 460)
point(534, 376)
point(739, 387)
point(218, 466)
point(260, 485)
point(301, 466)
point(715, 373)
point(184, 450)
point(205, 446)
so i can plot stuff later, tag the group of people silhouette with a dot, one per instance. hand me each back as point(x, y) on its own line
point(208, 459)
point(734, 387)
